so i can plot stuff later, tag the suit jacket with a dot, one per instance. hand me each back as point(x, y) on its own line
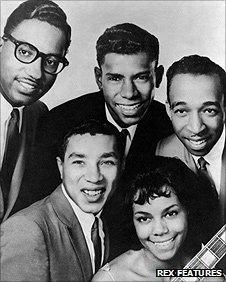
point(152, 127)
point(173, 147)
point(45, 242)
point(20, 191)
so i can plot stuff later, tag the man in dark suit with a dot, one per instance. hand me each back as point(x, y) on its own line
point(62, 237)
point(32, 53)
point(127, 75)
point(196, 89)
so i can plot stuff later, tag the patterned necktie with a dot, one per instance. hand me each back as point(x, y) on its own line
point(11, 153)
point(123, 136)
point(204, 175)
point(95, 237)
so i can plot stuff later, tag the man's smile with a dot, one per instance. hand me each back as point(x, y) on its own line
point(129, 109)
point(197, 144)
point(27, 85)
point(93, 194)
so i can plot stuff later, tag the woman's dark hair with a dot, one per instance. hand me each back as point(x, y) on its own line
point(169, 174)
point(166, 175)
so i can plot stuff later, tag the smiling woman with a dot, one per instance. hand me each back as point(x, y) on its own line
point(165, 210)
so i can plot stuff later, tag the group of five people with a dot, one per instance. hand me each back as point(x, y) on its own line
point(113, 194)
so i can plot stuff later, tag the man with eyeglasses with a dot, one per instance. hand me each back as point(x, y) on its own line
point(32, 53)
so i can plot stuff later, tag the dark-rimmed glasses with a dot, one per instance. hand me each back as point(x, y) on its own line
point(27, 53)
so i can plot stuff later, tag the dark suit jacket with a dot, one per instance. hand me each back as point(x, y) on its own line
point(21, 194)
point(45, 242)
point(154, 126)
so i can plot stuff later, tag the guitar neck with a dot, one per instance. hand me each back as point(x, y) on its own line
point(208, 256)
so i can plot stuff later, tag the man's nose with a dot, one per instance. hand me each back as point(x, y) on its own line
point(93, 174)
point(129, 89)
point(34, 69)
point(195, 123)
point(159, 227)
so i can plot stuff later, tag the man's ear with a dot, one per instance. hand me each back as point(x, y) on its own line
point(159, 74)
point(60, 166)
point(168, 109)
point(98, 76)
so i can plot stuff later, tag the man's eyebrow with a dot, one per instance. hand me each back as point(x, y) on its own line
point(82, 156)
point(143, 72)
point(205, 104)
point(180, 103)
point(210, 103)
point(114, 74)
point(109, 155)
point(76, 155)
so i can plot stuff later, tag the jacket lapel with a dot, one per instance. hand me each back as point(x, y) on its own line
point(19, 168)
point(66, 215)
point(106, 242)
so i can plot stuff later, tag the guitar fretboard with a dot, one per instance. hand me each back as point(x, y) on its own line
point(208, 257)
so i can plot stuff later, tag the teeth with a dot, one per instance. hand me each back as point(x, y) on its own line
point(92, 192)
point(163, 244)
point(127, 107)
point(198, 142)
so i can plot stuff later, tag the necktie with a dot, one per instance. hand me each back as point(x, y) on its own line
point(204, 175)
point(11, 152)
point(95, 237)
point(123, 136)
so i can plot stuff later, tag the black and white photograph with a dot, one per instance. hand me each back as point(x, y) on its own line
point(113, 141)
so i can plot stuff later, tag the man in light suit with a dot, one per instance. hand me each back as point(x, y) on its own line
point(52, 239)
point(127, 75)
point(32, 53)
point(196, 89)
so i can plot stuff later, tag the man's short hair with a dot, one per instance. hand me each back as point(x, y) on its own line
point(42, 10)
point(92, 127)
point(196, 65)
point(127, 39)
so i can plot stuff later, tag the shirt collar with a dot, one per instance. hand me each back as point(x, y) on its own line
point(6, 109)
point(216, 152)
point(86, 220)
point(131, 128)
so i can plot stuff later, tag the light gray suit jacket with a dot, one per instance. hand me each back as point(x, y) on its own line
point(172, 147)
point(45, 242)
point(31, 116)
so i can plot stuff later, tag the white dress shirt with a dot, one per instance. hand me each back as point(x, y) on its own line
point(6, 110)
point(86, 221)
point(214, 159)
point(131, 129)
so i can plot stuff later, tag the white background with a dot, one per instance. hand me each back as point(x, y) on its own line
point(182, 27)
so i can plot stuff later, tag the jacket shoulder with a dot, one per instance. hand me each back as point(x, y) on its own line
point(84, 101)
point(170, 146)
point(36, 111)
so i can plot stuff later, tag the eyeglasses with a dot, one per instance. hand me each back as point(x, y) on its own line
point(27, 53)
